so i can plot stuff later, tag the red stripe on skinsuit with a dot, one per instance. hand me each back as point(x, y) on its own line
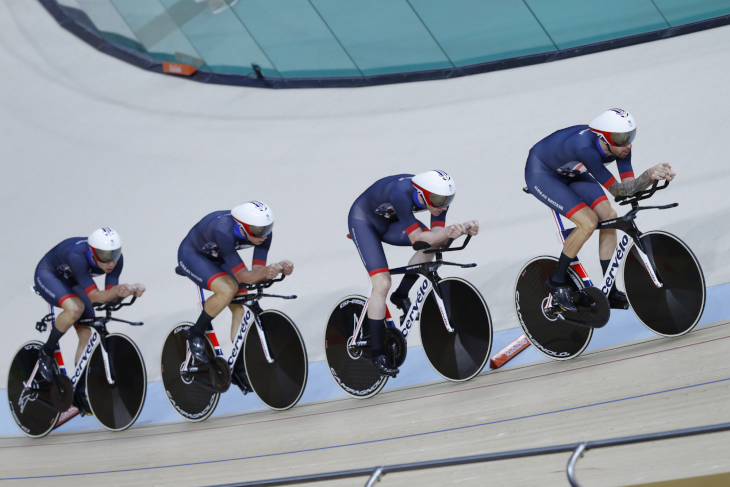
point(213, 278)
point(595, 203)
point(378, 271)
point(64, 298)
point(575, 209)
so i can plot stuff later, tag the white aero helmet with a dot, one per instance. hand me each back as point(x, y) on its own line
point(615, 126)
point(106, 245)
point(436, 187)
point(254, 218)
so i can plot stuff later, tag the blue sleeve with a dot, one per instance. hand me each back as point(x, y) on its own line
point(592, 161)
point(227, 249)
point(625, 169)
point(403, 206)
point(80, 268)
point(112, 279)
point(260, 252)
point(439, 221)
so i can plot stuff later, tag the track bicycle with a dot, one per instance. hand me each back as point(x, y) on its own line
point(274, 357)
point(111, 366)
point(455, 326)
point(664, 284)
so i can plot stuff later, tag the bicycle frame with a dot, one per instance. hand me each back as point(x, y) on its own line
point(249, 316)
point(629, 232)
point(429, 270)
point(94, 340)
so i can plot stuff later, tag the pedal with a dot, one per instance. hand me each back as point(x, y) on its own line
point(82, 404)
point(241, 382)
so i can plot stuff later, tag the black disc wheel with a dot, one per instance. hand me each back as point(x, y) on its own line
point(279, 384)
point(549, 335)
point(31, 407)
point(117, 406)
point(675, 308)
point(351, 368)
point(461, 354)
point(191, 395)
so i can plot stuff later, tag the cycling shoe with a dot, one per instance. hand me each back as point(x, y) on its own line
point(617, 299)
point(199, 350)
point(47, 366)
point(562, 296)
point(403, 304)
point(381, 363)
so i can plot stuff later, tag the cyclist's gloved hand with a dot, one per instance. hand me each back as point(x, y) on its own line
point(662, 171)
point(138, 289)
point(123, 290)
point(287, 267)
point(272, 271)
point(472, 227)
point(456, 230)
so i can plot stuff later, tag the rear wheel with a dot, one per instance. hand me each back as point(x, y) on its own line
point(30, 409)
point(189, 394)
point(675, 308)
point(351, 368)
point(280, 384)
point(550, 336)
point(117, 406)
point(463, 353)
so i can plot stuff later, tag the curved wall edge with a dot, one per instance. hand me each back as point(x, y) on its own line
point(148, 63)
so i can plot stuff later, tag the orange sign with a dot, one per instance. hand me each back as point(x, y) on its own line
point(178, 68)
point(509, 352)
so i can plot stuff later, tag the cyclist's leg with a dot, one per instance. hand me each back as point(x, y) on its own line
point(59, 294)
point(237, 315)
point(592, 193)
point(83, 332)
point(212, 276)
point(366, 238)
point(555, 192)
point(396, 235)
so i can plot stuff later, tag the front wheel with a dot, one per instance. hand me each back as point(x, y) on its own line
point(190, 395)
point(675, 308)
point(30, 408)
point(280, 384)
point(462, 354)
point(351, 368)
point(117, 406)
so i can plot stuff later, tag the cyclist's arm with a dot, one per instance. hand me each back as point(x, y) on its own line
point(631, 186)
point(80, 268)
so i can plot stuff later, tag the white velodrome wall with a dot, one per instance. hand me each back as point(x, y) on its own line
point(88, 141)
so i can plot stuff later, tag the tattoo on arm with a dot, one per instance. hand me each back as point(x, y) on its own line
point(630, 187)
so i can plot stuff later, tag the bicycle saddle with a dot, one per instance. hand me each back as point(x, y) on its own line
point(180, 272)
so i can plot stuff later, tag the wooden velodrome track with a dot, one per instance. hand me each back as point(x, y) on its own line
point(647, 386)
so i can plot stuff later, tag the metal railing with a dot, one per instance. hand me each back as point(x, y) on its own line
point(578, 450)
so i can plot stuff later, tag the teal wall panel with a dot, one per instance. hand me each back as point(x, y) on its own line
point(295, 38)
point(219, 37)
point(477, 31)
point(679, 12)
point(572, 23)
point(382, 36)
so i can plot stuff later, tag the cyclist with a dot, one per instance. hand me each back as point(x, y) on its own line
point(64, 278)
point(385, 213)
point(565, 171)
point(209, 257)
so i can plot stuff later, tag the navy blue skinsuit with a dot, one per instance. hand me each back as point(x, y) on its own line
point(560, 166)
point(66, 271)
point(385, 213)
point(210, 249)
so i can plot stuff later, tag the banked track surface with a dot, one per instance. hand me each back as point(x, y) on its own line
point(651, 385)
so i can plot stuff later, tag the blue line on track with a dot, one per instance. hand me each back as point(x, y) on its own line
point(371, 441)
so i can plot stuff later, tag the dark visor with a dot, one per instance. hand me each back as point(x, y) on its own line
point(105, 256)
point(258, 232)
point(438, 201)
point(623, 139)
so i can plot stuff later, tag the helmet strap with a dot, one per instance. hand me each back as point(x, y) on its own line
point(237, 231)
point(417, 197)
